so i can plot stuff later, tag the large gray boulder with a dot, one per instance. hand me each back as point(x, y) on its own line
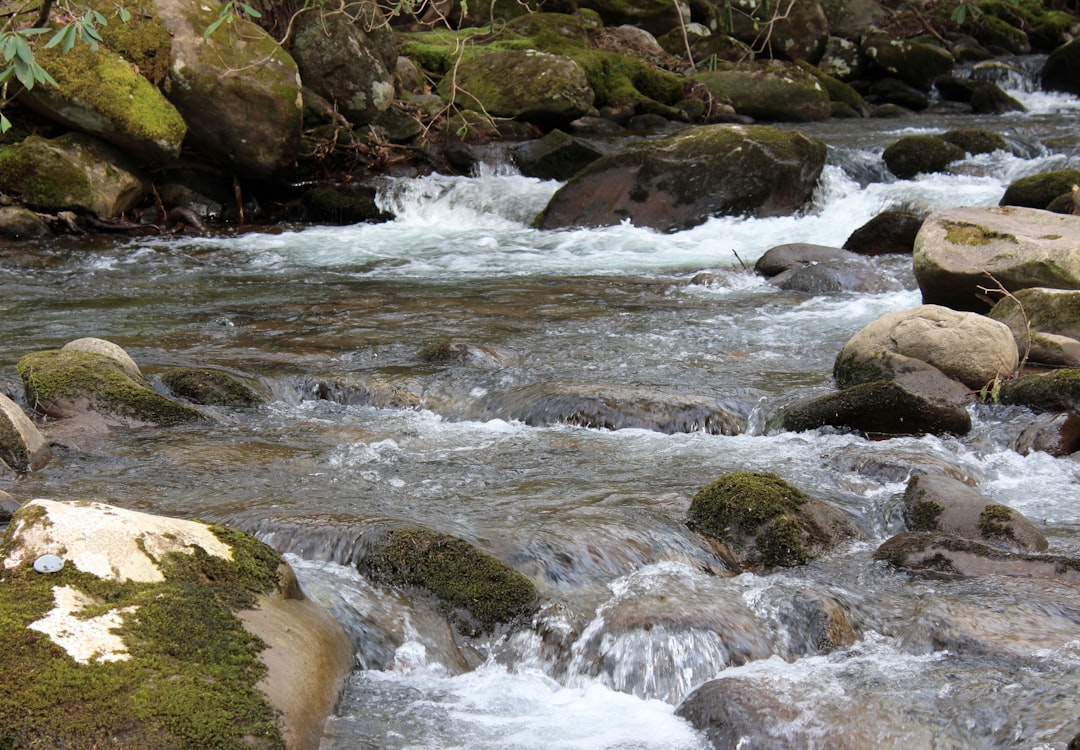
point(238, 90)
point(175, 632)
point(22, 446)
point(342, 56)
point(965, 346)
point(770, 90)
point(682, 180)
point(959, 252)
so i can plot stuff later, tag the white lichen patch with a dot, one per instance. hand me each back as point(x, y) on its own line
point(106, 541)
point(85, 639)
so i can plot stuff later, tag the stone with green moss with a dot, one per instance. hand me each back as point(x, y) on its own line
point(1058, 390)
point(920, 154)
point(68, 383)
point(1039, 190)
point(1045, 323)
point(140, 640)
point(770, 90)
point(100, 93)
point(210, 387)
point(936, 553)
point(142, 39)
point(976, 140)
point(478, 591)
point(914, 63)
point(765, 520)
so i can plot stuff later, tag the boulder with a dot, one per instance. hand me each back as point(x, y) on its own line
point(842, 60)
point(839, 92)
point(965, 346)
point(850, 18)
point(682, 180)
point(237, 89)
point(764, 521)
point(71, 173)
point(959, 252)
point(211, 387)
point(655, 16)
point(1058, 390)
point(478, 591)
point(1045, 323)
point(22, 446)
point(1061, 72)
point(20, 223)
point(124, 629)
point(896, 92)
point(1040, 190)
point(881, 408)
point(913, 155)
point(1055, 434)
point(101, 94)
point(945, 504)
point(855, 274)
point(110, 350)
point(938, 553)
point(914, 63)
point(782, 258)
point(990, 99)
point(343, 205)
point(770, 90)
point(64, 384)
point(556, 156)
point(341, 55)
point(538, 87)
point(975, 140)
point(891, 231)
point(799, 33)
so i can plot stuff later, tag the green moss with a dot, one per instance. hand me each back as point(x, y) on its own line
point(745, 499)
point(76, 376)
point(920, 154)
point(1054, 391)
point(995, 522)
point(142, 40)
point(42, 177)
point(923, 516)
point(782, 543)
point(964, 233)
point(850, 369)
point(190, 682)
point(209, 387)
point(479, 591)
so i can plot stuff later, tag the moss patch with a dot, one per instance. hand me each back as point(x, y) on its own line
point(42, 177)
point(190, 681)
point(479, 591)
point(964, 233)
point(923, 516)
point(1055, 391)
point(995, 522)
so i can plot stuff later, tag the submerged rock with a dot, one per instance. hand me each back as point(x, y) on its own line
point(22, 446)
point(682, 180)
point(479, 591)
point(202, 385)
point(763, 520)
point(781, 258)
point(854, 274)
point(1056, 434)
point(151, 631)
point(941, 553)
point(879, 408)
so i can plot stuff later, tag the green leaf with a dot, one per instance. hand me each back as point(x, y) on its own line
point(5, 124)
point(213, 27)
point(254, 13)
point(23, 51)
point(60, 35)
point(125, 14)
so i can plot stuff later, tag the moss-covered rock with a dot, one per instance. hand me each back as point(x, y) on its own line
point(920, 154)
point(801, 32)
point(880, 408)
point(138, 640)
point(891, 231)
point(912, 62)
point(20, 223)
point(765, 520)
point(1039, 190)
point(771, 90)
point(1062, 69)
point(1058, 390)
point(939, 553)
point(1045, 323)
point(67, 383)
point(22, 447)
point(556, 156)
point(142, 39)
point(838, 91)
point(202, 385)
point(478, 591)
point(71, 173)
point(99, 93)
point(975, 140)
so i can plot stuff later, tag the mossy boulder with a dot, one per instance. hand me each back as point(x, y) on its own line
point(959, 252)
point(655, 16)
point(891, 231)
point(157, 632)
point(838, 91)
point(771, 90)
point(209, 387)
point(68, 383)
point(975, 140)
point(478, 591)
point(879, 409)
point(763, 520)
point(1058, 390)
point(142, 39)
point(1061, 72)
point(913, 62)
point(945, 504)
point(110, 350)
point(340, 55)
point(20, 223)
point(1045, 323)
point(22, 446)
point(987, 98)
point(1040, 190)
point(998, 35)
point(525, 84)
point(71, 173)
point(556, 156)
point(238, 90)
point(682, 180)
point(913, 155)
point(100, 93)
point(937, 553)
point(799, 33)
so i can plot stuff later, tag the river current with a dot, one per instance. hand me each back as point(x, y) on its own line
point(637, 610)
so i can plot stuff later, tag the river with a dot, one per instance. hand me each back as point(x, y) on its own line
point(637, 609)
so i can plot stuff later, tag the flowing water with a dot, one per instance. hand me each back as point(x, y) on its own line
point(361, 430)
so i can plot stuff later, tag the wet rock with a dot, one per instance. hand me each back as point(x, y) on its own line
point(8, 506)
point(556, 156)
point(22, 447)
point(71, 173)
point(1058, 390)
point(879, 408)
point(69, 383)
point(682, 180)
point(142, 610)
point(782, 258)
point(210, 387)
point(1045, 323)
point(975, 141)
point(764, 521)
point(940, 553)
point(479, 591)
point(1056, 434)
point(920, 154)
point(842, 60)
point(769, 90)
point(958, 250)
point(892, 91)
point(1040, 190)
point(891, 231)
point(343, 204)
point(914, 63)
point(350, 392)
point(108, 349)
point(465, 354)
point(939, 503)
point(527, 85)
point(617, 408)
point(18, 223)
point(816, 623)
point(990, 99)
point(967, 347)
point(855, 274)
point(1061, 72)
